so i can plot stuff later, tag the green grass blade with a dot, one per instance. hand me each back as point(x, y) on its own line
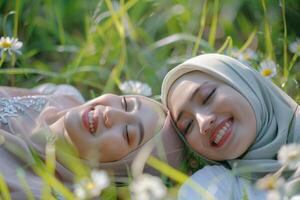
point(4, 189)
point(227, 43)
point(294, 59)
point(267, 33)
point(177, 176)
point(24, 184)
point(53, 182)
point(249, 40)
point(214, 24)
point(202, 26)
point(285, 56)
point(16, 18)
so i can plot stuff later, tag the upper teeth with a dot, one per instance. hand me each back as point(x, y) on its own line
point(91, 121)
point(222, 132)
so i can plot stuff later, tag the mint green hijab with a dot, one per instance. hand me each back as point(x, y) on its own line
point(277, 118)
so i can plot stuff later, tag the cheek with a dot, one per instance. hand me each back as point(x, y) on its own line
point(71, 125)
point(195, 141)
point(111, 147)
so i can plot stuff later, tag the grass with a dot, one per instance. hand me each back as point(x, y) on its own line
point(96, 45)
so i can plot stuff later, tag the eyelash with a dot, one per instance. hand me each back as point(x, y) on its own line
point(189, 125)
point(126, 133)
point(124, 103)
point(208, 97)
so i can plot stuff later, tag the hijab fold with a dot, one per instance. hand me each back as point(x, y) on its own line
point(275, 111)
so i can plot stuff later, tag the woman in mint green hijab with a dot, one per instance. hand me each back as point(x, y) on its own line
point(227, 112)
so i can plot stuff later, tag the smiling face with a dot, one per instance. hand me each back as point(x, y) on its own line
point(110, 126)
point(216, 120)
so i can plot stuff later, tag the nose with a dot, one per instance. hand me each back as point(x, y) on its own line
point(113, 116)
point(205, 122)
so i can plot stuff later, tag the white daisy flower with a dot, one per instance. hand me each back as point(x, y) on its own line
point(101, 178)
point(136, 87)
point(274, 195)
point(11, 45)
point(270, 182)
point(244, 56)
point(90, 188)
point(147, 187)
point(297, 197)
point(294, 47)
point(290, 155)
point(268, 68)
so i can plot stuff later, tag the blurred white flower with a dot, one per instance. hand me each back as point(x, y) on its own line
point(274, 195)
point(297, 197)
point(268, 68)
point(89, 188)
point(270, 182)
point(12, 45)
point(246, 55)
point(290, 155)
point(294, 47)
point(136, 87)
point(101, 178)
point(147, 187)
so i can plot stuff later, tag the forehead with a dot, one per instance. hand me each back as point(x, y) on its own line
point(152, 114)
point(184, 84)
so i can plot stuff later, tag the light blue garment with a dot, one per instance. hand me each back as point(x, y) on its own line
point(221, 184)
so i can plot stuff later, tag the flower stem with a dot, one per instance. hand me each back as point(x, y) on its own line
point(279, 172)
point(3, 56)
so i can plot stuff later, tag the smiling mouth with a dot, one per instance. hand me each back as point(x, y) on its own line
point(221, 133)
point(90, 120)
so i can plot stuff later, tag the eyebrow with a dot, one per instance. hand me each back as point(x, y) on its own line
point(191, 98)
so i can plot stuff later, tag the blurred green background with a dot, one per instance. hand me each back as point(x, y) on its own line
point(96, 45)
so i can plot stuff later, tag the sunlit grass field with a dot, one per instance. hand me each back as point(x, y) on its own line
point(96, 45)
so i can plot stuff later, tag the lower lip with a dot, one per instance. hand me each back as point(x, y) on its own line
point(225, 137)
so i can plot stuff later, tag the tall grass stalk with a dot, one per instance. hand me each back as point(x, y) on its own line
point(226, 44)
point(60, 27)
point(214, 24)
point(177, 176)
point(24, 184)
point(202, 26)
point(249, 40)
point(2, 59)
point(294, 59)
point(267, 33)
point(4, 189)
point(53, 182)
point(116, 72)
point(285, 56)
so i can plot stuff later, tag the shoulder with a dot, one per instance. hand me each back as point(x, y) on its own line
point(220, 183)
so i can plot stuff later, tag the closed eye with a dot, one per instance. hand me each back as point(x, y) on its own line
point(209, 96)
point(124, 103)
point(188, 127)
point(126, 133)
point(184, 126)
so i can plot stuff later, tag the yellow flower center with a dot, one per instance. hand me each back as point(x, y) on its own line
point(6, 44)
point(90, 186)
point(266, 72)
point(293, 155)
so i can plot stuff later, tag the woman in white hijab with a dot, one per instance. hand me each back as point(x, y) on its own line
point(107, 133)
point(229, 114)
